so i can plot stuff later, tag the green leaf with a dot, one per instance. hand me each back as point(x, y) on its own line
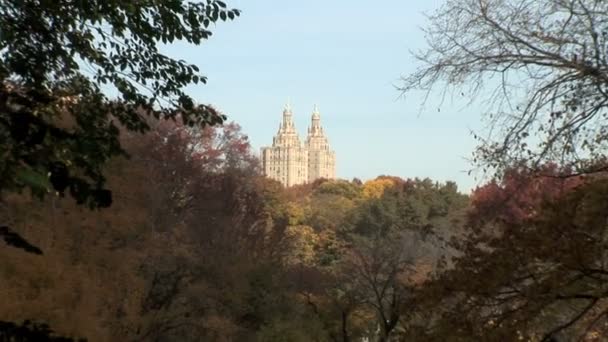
point(33, 179)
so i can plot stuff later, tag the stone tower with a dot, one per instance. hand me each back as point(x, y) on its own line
point(287, 160)
point(290, 162)
point(321, 159)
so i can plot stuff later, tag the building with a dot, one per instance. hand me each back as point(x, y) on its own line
point(291, 162)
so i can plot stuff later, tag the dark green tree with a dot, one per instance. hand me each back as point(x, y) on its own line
point(59, 60)
point(393, 241)
point(31, 331)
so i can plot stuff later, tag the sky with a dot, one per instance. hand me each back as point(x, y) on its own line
point(346, 56)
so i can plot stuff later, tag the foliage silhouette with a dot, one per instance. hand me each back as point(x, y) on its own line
point(30, 332)
point(59, 58)
point(543, 66)
point(13, 239)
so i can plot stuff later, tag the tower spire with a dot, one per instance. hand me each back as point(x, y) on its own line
point(287, 125)
point(315, 126)
point(288, 104)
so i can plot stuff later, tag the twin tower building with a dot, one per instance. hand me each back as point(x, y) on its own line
point(291, 162)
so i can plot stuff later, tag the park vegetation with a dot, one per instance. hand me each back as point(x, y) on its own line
point(146, 217)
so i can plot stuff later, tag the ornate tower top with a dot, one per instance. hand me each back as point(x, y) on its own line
point(315, 113)
point(287, 135)
point(287, 126)
point(315, 128)
point(321, 159)
point(287, 107)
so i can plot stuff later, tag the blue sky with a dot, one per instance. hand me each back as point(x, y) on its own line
point(345, 56)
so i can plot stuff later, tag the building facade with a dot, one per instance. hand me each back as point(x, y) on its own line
point(291, 162)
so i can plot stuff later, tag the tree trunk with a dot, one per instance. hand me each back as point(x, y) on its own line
point(344, 327)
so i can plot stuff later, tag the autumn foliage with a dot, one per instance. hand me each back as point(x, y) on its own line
point(519, 195)
point(198, 245)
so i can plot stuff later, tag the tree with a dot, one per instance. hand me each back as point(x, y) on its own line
point(390, 239)
point(375, 188)
point(530, 267)
point(300, 244)
point(213, 272)
point(546, 62)
point(29, 331)
point(57, 126)
point(330, 203)
point(518, 196)
point(380, 267)
point(171, 259)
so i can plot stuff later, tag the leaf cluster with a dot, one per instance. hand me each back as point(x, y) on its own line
point(58, 62)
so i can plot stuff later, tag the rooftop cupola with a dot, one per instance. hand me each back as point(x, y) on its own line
point(316, 115)
point(315, 128)
point(287, 125)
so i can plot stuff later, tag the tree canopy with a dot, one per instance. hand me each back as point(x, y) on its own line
point(529, 269)
point(60, 60)
point(542, 64)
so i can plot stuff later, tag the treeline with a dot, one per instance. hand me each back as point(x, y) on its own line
point(198, 245)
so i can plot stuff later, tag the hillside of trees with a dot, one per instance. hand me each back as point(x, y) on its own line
point(197, 245)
